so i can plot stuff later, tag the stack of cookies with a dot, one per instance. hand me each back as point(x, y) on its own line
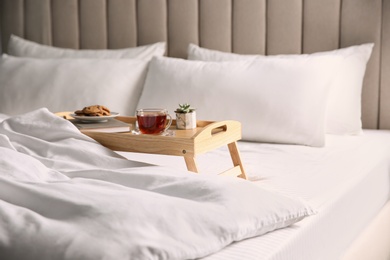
point(95, 110)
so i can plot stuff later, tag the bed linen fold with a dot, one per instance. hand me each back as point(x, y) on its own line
point(64, 196)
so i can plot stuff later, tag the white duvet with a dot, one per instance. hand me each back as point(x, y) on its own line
point(63, 196)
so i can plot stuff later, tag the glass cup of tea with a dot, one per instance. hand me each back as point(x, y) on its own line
point(153, 120)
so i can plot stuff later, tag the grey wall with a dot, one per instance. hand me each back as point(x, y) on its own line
point(1, 49)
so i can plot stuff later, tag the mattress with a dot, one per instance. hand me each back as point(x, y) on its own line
point(347, 182)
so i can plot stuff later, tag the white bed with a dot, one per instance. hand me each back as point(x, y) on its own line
point(347, 181)
point(64, 196)
point(316, 142)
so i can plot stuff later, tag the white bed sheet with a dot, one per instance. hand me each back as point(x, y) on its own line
point(347, 181)
point(59, 189)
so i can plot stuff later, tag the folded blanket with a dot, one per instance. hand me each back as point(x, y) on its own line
point(64, 196)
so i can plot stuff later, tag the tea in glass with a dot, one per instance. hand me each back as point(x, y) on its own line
point(153, 121)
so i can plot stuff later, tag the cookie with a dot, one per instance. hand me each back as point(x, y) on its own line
point(95, 110)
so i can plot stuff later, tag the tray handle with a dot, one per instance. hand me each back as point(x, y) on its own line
point(219, 128)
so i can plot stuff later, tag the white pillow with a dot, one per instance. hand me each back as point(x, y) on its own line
point(276, 100)
point(344, 108)
point(24, 48)
point(70, 84)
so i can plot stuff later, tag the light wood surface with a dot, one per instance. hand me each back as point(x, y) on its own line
point(206, 137)
point(236, 158)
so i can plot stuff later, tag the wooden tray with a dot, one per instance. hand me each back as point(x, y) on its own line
point(187, 143)
point(206, 137)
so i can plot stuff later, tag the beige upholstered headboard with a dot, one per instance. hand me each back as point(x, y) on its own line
point(241, 26)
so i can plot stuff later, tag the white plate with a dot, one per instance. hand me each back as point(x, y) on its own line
point(91, 119)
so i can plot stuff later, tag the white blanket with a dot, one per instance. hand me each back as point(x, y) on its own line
point(64, 196)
